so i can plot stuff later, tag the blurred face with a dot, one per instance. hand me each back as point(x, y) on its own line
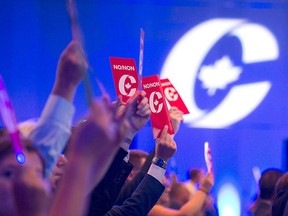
point(164, 199)
point(8, 170)
point(58, 172)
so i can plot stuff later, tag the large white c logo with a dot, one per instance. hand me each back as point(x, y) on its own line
point(258, 45)
point(154, 101)
point(122, 85)
point(170, 94)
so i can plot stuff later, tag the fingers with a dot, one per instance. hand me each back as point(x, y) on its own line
point(143, 108)
point(164, 133)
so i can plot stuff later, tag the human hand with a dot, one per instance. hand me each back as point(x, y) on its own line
point(71, 69)
point(207, 182)
point(176, 117)
point(97, 139)
point(165, 145)
point(138, 115)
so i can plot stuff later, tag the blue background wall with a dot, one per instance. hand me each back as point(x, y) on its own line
point(33, 34)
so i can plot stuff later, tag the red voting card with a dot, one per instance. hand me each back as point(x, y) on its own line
point(125, 77)
point(173, 96)
point(159, 111)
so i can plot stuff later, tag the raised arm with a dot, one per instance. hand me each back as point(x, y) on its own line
point(92, 150)
point(193, 206)
point(53, 129)
point(150, 188)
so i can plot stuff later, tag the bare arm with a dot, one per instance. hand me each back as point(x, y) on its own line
point(193, 206)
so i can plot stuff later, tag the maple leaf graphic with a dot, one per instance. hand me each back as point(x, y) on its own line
point(219, 75)
point(128, 85)
point(156, 102)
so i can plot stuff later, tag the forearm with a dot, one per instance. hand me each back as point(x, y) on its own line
point(194, 205)
point(128, 189)
point(71, 195)
point(105, 193)
point(53, 129)
point(142, 199)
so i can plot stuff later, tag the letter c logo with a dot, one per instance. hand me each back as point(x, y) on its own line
point(258, 45)
point(122, 85)
point(170, 94)
point(154, 101)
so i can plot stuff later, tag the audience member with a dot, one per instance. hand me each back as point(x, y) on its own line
point(137, 158)
point(93, 147)
point(17, 197)
point(53, 128)
point(195, 176)
point(281, 195)
point(193, 207)
point(178, 196)
point(263, 204)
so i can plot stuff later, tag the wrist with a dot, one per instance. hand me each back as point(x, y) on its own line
point(159, 162)
point(65, 91)
point(204, 190)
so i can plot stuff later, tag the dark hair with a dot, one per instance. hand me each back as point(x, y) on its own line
point(177, 195)
point(194, 173)
point(7, 149)
point(268, 181)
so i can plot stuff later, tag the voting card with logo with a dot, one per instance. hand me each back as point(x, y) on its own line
point(125, 77)
point(172, 96)
point(159, 111)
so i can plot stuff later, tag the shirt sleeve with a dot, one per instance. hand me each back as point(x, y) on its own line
point(53, 130)
point(157, 172)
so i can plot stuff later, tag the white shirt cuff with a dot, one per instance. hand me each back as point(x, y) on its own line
point(58, 109)
point(157, 172)
point(127, 157)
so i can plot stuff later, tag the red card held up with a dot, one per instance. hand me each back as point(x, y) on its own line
point(172, 96)
point(125, 77)
point(159, 111)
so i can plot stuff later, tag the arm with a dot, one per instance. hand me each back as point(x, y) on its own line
point(142, 199)
point(103, 196)
point(53, 128)
point(193, 206)
point(93, 147)
point(129, 188)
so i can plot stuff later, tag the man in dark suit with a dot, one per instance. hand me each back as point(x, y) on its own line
point(143, 198)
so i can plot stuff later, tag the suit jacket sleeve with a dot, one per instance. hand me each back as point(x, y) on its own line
point(129, 187)
point(104, 195)
point(142, 200)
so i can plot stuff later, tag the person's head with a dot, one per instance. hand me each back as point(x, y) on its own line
point(9, 168)
point(281, 195)
point(137, 158)
point(196, 175)
point(268, 181)
point(178, 195)
point(282, 183)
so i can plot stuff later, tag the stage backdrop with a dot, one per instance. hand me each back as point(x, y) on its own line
point(227, 59)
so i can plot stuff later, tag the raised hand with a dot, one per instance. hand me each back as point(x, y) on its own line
point(98, 138)
point(165, 145)
point(71, 69)
point(92, 149)
point(176, 117)
point(139, 112)
point(207, 182)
